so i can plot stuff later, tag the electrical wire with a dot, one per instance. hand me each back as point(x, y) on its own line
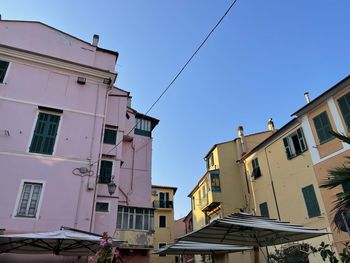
point(177, 75)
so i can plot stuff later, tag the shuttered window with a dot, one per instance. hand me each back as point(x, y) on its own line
point(29, 200)
point(323, 127)
point(105, 172)
point(312, 206)
point(295, 144)
point(162, 221)
point(45, 133)
point(344, 105)
point(256, 168)
point(264, 210)
point(110, 136)
point(3, 68)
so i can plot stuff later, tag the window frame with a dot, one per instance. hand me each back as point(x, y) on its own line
point(100, 168)
point(19, 197)
point(44, 110)
point(215, 181)
point(4, 78)
point(165, 221)
point(131, 216)
point(318, 132)
point(289, 145)
point(115, 135)
point(256, 171)
point(103, 202)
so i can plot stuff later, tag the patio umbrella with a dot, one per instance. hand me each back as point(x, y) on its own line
point(249, 230)
point(66, 242)
point(196, 248)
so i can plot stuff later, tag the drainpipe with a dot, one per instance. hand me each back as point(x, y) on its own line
point(272, 186)
point(108, 90)
point(132, 168)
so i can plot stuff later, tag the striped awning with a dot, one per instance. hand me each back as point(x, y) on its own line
point(249, 230)
point(196, 248)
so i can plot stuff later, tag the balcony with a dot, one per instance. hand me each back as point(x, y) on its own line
point(162, 204)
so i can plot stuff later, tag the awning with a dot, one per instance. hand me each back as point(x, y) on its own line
point(196, 248)
point(66, 242)
point(249, 230)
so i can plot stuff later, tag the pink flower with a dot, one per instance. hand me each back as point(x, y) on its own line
point(102, 242)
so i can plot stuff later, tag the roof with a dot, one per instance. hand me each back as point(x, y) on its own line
point(38, 22)
point(270, 138)
point(165, 187)
point(235, 139)
point(323, 97)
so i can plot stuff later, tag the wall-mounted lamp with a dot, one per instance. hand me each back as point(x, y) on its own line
point(111, 187)
point(107, 81)
point(81, 80)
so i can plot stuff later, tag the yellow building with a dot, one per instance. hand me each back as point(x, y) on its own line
point(163, 203)
point(329, 111)
point(220, 191)
point(282, 182)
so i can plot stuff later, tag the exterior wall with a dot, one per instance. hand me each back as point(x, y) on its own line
point(286, 178)
point(163, 234)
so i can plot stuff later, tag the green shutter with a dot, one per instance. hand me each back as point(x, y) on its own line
point(106, 172)
point(287, 148)
point(3, 68)
point(45, 133)
point(311, 201)
point(323, 127)
point(301, 139)
point(264, 210)
point(110, 136)
point(344, 105)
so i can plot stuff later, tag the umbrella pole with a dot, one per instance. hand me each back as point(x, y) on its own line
point(256, 254)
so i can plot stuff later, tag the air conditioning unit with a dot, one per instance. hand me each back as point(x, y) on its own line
point(155, 192)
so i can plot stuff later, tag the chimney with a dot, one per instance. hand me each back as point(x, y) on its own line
point(270, 125)
point(242, 148)
point(95, 40)
point(307, 97)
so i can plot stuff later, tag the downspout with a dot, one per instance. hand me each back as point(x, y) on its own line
point(132, 168)
point(272, 185)
point(76, 218)
point(109, 88)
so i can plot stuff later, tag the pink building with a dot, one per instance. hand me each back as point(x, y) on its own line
point(66, 134)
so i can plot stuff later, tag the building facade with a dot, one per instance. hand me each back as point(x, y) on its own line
point(69, 153)
point(164, 222)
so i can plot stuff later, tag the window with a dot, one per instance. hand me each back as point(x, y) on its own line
point(45, 133)
point(256, 169)
point(344, 105)
point(323, 127)
point(164, 200)
point(162, 221)
point(160, 245)
point(110, 136)
point(102, 207)
point(311, 201)
point(295, 144)
point(132, 218)
point(264, 210)
point(215, 181)
point(29, 201)
point(143, 127)
point(105, 172)
point(3, 68)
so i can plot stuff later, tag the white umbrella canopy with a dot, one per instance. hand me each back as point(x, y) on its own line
point(249, 230)
point(196, 248)
point(66, 242)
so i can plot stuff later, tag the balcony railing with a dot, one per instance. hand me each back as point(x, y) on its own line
point(162, 204)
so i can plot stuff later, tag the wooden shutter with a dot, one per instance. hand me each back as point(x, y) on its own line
point(344, 105)
point(110, 136)
point(312, 206)
point(264, 210)
point(287, 148)
point(106, 172)
point(301, 138)
point(45, 133)
point(3, 68)
point(323, 127)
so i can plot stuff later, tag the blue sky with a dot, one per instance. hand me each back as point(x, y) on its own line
point(257, 65)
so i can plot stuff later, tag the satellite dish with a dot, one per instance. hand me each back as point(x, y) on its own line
point(342, 220)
